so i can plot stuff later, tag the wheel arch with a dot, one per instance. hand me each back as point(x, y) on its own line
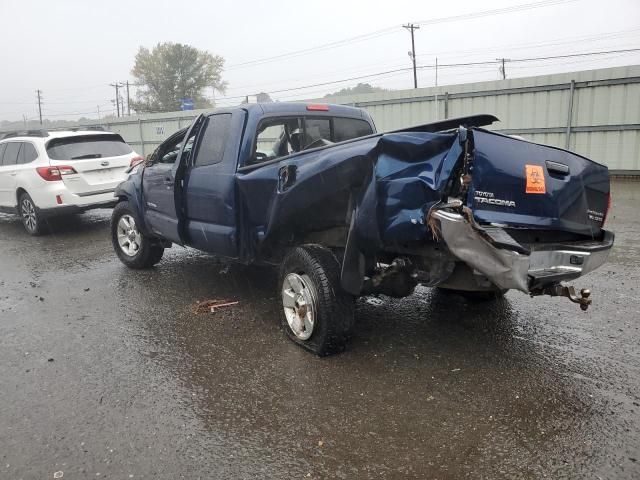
point(19, 192)
point(130, 191)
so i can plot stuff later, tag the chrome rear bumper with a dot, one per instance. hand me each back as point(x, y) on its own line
point(566, 261)
point(522, 267)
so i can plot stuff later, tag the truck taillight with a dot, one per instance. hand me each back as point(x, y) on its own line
point(136, 160)
point(606, 213)
point(52, 174)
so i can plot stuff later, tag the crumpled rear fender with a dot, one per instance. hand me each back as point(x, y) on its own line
point(392, 179)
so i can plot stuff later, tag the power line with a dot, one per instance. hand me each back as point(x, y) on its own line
point(627, 50)
point(523, 46)
point(70, 113)
point(440, 65)
point(326, 46)
point(393, 72)
point(496, 11)
point(394, 29)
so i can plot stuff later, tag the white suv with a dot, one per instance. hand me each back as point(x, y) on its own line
point(60, 172)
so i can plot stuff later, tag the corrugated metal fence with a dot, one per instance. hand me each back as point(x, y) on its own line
point(595, 113)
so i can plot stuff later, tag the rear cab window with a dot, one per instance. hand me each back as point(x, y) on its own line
point(82, 147)
point(349, 128)
point(281, 136)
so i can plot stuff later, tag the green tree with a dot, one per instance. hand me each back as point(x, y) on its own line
point(172, 71)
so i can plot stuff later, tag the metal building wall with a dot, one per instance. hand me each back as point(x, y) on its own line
point(595, 113)
point(145, 132)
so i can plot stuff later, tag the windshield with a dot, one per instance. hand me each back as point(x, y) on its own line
point(87, 146)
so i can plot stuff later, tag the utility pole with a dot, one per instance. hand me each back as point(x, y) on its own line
point(98, 107)
point(39, 93)
point(436, 71)
point(411, 27)
point(128, 102)
point(502, 69)
point(116, 85)
point(24, 119)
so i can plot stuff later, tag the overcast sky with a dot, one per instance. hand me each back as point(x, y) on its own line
point(72, 49)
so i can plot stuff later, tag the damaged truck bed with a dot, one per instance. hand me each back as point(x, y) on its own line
point(347, 212)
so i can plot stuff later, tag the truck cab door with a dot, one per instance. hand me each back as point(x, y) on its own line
point(162, 184)
point(210, 207)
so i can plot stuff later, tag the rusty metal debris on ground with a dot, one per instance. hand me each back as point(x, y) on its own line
point(210, 306)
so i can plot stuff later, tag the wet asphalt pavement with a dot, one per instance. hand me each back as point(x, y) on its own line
point(107, 372)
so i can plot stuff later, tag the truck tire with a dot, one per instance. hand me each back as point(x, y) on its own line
point(134, 249)
point(31, 219)
point(317, 314)
point(475, 296)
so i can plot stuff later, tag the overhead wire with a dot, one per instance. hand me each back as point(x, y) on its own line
point(396, 29)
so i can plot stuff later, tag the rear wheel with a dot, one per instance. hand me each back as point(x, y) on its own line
point(317, 314)
point(133, 248)
point(31, 219)
point(475, 296)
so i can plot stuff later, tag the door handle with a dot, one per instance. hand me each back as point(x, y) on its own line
point(13, 174)
point(168, 181)
point(557, 168)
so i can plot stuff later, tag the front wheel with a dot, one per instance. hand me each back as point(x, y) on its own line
point(133, 248)
point(317, 314)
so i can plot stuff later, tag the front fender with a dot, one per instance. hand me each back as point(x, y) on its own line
point(131, 191)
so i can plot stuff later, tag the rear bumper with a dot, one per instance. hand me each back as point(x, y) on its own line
point(47, 200)
point(565, 261)
point(71, 209)
point(516, 266)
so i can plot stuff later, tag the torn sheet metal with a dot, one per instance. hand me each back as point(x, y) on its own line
point(506, 269)
point(392, 179)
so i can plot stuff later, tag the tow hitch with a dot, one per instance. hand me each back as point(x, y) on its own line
point(566, 291)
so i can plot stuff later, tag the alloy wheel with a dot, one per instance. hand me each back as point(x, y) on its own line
point(129, 238)
point(299, 303)
point(29, 217)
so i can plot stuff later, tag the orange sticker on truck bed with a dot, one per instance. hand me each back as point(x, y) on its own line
point(535, 179)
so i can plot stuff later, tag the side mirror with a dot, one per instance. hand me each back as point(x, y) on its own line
point(150, 159)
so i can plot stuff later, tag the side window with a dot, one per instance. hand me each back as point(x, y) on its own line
point(3, 146)
point(277, 137)
point(11, 154)
point(212, 145)
point(28, 153)
point(317, 132)
point(348, 128)
point(170, 151)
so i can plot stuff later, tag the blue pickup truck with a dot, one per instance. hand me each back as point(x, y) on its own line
point(345, 211)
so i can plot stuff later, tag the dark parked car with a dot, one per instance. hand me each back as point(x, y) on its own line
point(345, 211)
